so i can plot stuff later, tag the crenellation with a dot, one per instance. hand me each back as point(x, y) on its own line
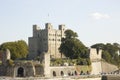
point(48, 26)
point(62, 27)
point(35, 30)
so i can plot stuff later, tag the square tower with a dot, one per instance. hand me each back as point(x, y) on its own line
point(46, 40)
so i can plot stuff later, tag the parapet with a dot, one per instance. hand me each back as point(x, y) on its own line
point(48, 26)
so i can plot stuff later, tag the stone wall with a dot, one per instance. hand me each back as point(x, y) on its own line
point(95, 57)
point(65, 70)
point(96, 68)
point(111, 77)
point(10, 71)
point(2, 70)
point(47, 64)
point(107, 68)
point(39, 70)
point(99, 67)
point(22, 69)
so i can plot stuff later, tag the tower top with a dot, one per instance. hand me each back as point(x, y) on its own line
point(48, 26)
point(95, 54)
point(62, 27)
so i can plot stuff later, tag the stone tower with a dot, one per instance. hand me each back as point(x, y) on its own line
point(46, 40)
point(95, 57)
point(6, 56)
point(47, 64)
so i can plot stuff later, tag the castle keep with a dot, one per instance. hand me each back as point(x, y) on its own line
point(46, 40)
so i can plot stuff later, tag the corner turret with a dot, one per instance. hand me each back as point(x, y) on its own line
point(35, 30)
point(62, 27)
point(48, 26)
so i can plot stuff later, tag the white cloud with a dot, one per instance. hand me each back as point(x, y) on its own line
point(97, 16)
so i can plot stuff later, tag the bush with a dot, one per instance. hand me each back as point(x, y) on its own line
point(81, 61)
point(10, 62)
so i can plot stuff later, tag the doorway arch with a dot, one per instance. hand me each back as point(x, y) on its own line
point(20, 72)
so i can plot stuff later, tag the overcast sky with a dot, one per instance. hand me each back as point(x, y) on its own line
point(95, 21)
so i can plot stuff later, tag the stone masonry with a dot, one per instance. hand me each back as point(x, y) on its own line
point(46, 40)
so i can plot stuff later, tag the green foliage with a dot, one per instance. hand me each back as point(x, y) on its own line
point(10, 62)
point(83, 68)
point(106, 56)
point(70, 62)
point(18, 49)
point(70, 34)
point(57, 62)
point(98, 46)
point(39, 65)
point(72, 47)
point(109, 53)
point(83, 61)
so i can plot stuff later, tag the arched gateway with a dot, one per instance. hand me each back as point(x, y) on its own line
point(20, 72)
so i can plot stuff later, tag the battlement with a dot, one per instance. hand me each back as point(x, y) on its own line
point(48, 26)
point(36, 27)
point(62, 27)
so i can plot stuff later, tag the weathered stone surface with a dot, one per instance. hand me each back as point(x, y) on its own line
point(108, 68)
point(46, 40)
point(111, 77)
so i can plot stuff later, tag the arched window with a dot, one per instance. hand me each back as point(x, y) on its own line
point(75, 72)
point(62, 73)
point(87, 72)
point(54, 73)
point(81, 73)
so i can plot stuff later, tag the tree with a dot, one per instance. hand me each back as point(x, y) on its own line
point(116, 45)
point(71, 46)
point(98, 46)
point(106, 56)
point(18, 49)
